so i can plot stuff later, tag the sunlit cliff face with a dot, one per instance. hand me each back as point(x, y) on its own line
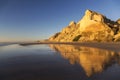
point(92, 60)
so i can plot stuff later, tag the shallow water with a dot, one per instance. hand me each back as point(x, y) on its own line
point(58, 62)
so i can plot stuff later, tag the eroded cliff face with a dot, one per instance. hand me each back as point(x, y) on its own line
point(92, 60)
point(92, 27)
point(67, 34)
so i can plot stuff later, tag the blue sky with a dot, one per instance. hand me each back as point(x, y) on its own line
point(29, 20)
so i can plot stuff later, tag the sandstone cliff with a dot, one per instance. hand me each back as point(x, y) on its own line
point(92, 27)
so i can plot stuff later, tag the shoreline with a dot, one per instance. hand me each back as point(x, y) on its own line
point(112, 46)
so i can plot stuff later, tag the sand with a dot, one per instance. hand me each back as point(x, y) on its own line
point(112, 46)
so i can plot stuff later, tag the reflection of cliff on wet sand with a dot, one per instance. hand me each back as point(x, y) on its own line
point(92, 60)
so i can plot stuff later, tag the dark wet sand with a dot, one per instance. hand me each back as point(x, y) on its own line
point(60, 62)
point(112, 46)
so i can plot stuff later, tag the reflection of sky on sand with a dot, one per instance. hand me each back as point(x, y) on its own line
point(17, 50)
point(92, 60)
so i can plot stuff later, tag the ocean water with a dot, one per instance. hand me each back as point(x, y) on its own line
point(57, 62)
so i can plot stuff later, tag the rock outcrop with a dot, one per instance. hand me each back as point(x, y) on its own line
point(118, 21)
point(92, 27)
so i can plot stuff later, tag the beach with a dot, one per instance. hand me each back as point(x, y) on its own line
point(112, 46)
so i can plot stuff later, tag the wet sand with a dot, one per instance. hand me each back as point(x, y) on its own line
point(112, 46)
point(60, 61)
